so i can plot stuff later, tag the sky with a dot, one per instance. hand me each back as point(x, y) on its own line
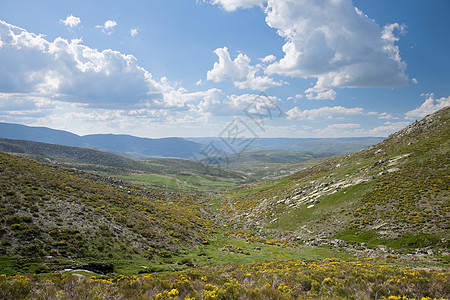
point(187, 68)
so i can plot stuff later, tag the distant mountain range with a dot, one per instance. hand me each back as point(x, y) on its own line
point(82, 158)
point(177, 147)
point(164, 147)
point(321, 145)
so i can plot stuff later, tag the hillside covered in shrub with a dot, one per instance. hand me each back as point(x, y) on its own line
point(53, 214)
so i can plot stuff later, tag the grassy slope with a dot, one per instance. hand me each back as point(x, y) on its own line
point(63, 213)
point(275, 156)
point(187, 176)
point(399, 191)
point(269, 164)
point(179, 174)
point(81, 158)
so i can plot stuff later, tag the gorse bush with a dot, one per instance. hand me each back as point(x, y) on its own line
point(293, 279)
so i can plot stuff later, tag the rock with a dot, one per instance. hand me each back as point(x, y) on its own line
point(379, 151)
point(379, 162)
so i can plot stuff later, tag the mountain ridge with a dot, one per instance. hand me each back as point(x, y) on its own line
point(323, 145)
point(394, 193)
point(177, 147)
point(164, 147)
point(82, 158)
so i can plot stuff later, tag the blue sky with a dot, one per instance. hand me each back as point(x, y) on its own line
point(306, 68)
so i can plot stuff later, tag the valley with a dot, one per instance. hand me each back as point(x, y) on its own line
point(78, 222)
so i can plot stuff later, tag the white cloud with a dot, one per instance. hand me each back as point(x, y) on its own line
point(335, 43)
point(332, 41)
point(298, 96)
point(71, 21)
point(323, 112)
point(428, 107)
point(341, 129)
point(107, 27)
point(110, 24)
point(67, 85)
point(14, 105)
point(134, 32)
point(240, 71)
point(72, 72)
point(231, 5)
point(387, 116)
point(269, 58)
point(343, 126)
point(414, 81)
point(215, 102)
point(316, 93)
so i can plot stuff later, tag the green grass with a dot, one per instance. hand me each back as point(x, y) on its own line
point(8, 265)
point(271, 164)
point(258, 187)
point(370, 237)
point(149, 179)
point(329, 206)
point(211, 254)
point(182, 182)
point(374, 239)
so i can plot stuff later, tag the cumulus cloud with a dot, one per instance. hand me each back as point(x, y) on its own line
point(72, 72)
point(71, 21)
point(231, 5)
point(134, 32)
point(428, 107)
point(334, 42)
point(387, 116)
point(214, 102)
point(316, 93)
point(107, 27)
point(323, 112)
point(269, 58)
point(298, 96)
point(240, 71)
